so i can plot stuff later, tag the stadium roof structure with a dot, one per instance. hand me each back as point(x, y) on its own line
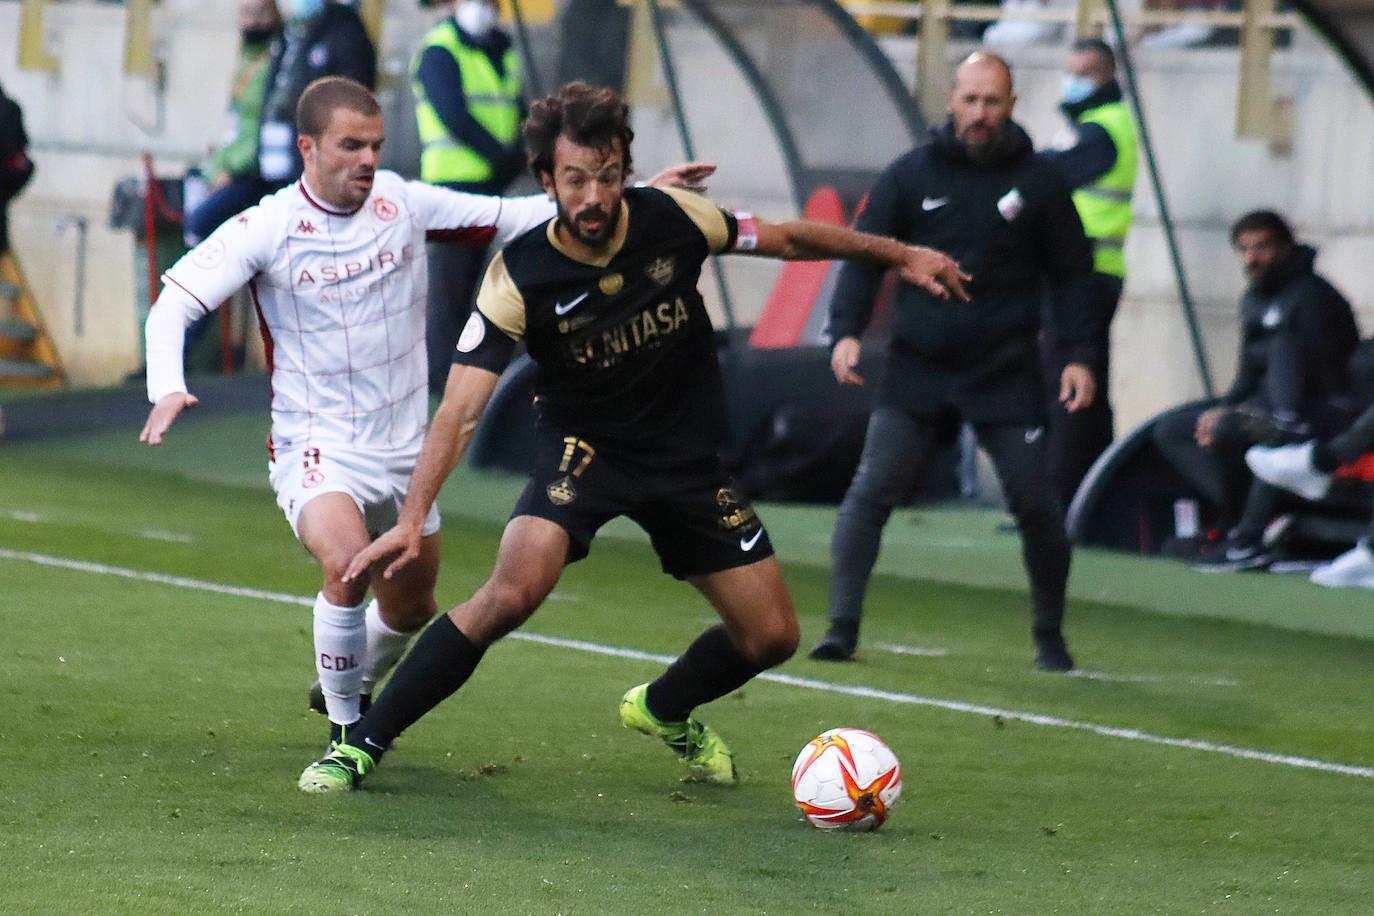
point(834, 107)
point(1349, 26)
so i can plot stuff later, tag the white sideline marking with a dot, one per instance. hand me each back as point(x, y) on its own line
point(1128, 734)
point(159, 534)
point(911, 650)
point(1198, 679)
point(21, 516)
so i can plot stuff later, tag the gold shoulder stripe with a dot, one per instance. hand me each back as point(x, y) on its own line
point(500, 300)
point(707, 216)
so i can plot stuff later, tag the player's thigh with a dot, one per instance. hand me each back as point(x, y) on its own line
point(406, 599)
point(756, 607)
point(529, 563)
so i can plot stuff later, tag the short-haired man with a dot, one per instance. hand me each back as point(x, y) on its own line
point(335, 263)
point(1297, 335)
point(631, 420)
point(1097, 158)
point(974, 189)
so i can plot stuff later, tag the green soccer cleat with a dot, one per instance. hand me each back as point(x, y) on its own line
point(338, 771)
point(708, 758)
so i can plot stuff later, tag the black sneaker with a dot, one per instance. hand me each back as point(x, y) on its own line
point(838, 643)
point(1051, 652)
point(1236, 556)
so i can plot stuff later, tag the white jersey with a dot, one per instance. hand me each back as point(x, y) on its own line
point(341, 301)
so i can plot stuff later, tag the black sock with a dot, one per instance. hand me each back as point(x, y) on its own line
point(1322, 459)
point(710, 668)
point(440, 661)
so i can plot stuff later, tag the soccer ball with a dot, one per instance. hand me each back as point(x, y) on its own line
point(846, 779)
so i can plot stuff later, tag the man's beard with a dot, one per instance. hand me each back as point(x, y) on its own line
point(591, 238)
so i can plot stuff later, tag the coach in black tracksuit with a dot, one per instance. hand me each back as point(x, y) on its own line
point(976, 191)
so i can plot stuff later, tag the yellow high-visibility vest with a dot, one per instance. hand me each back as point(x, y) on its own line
point(493, 100)
point(1105, 205)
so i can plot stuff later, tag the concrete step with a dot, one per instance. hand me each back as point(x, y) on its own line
point(20, 331)
point(24, 369)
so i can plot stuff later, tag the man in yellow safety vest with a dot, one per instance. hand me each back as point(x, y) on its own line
point(467, 83)
point(1098, 160)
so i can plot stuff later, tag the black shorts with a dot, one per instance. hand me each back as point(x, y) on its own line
point(696, 522)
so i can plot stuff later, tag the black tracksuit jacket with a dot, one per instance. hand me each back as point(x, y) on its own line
point(1011, 224)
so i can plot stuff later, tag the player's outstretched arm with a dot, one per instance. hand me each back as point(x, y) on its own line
point(465, 400)
point(164, 335)
point(803, 240)
point(690, 176)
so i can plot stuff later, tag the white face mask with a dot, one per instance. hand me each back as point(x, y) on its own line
point(476, 18)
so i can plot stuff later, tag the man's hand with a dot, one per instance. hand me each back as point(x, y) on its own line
point(402, 539)
point(934, 271)
point(843, 359)
point(163, 414)
point(1077, 387)
point(690, 176)
point(1206, 430)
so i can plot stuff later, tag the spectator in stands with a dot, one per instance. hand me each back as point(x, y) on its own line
point(235, 183)
point(16, 168)
point(1098, 159)
point(1297, 335)
point(320, 38)
point(1306, 470)
point(976, 190)
point(467, 83)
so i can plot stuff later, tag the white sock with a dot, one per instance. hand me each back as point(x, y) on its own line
point(340, 646)
point(385, 647)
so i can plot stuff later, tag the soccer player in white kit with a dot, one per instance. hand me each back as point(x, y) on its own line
point(335, 264)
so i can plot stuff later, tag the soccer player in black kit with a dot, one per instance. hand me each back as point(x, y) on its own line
point(630, 422)
point(976, 190)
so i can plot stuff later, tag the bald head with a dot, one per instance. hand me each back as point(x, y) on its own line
point(980, 65)
point(981, 103)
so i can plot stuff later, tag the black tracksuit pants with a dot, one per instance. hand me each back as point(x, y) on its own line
point(898, 449)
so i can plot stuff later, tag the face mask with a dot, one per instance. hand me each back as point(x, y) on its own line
point(302, 9)
point(1077, 89)
point(476, 18)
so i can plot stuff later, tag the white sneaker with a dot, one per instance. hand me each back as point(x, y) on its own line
point(1290, 467)
point(1183, 35)
point(1352, 569)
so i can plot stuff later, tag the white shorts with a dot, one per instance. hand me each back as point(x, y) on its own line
point(377, 481)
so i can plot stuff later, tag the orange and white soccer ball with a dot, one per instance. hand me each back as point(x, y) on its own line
point(846, 779)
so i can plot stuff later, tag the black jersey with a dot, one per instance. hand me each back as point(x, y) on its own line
point(624, 349)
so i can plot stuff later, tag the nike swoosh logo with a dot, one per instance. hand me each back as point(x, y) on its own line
point(934, 203)
point(747, 544)
point(1033, 434)
point(563, 308)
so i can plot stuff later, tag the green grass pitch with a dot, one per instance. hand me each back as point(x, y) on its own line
point(1219, 757)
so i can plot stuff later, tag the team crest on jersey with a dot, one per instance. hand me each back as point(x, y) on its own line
point(660, 270)
point(561, 492)
point(313, 478)
point(612, 284)
point(208, 255)
point(733, 515)
point(386, 211)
